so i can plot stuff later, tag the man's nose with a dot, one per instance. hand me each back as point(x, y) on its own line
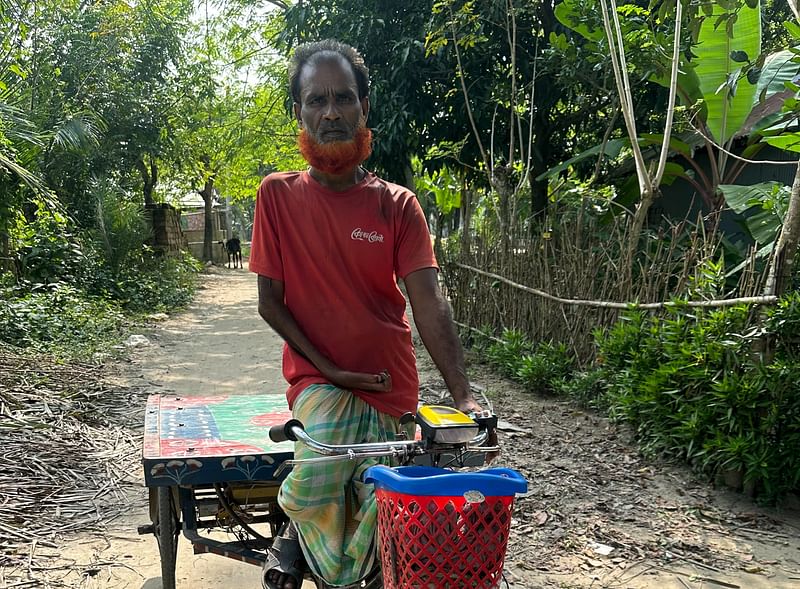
point(331, 112)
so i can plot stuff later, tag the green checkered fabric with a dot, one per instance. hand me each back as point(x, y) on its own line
point(335, 513)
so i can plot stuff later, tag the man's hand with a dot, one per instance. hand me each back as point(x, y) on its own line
point(359, 380)
point(272, 308)
point(469, 405)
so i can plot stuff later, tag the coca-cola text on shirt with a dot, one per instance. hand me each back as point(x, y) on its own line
point(369, 236)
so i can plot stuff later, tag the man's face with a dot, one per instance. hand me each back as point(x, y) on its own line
point(329, 107)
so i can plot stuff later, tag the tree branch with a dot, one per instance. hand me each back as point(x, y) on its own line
point(763, 300)
point(673, 85)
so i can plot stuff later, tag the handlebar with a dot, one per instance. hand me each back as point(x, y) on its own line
point(293, 430)
point(285, 431)
point(399, 449)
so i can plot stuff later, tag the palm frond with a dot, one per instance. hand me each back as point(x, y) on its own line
point(32, 180)
point(17, 127)
point(79, 133)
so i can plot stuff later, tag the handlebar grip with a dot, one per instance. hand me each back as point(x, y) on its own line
point(283, 432)
point(488, 421)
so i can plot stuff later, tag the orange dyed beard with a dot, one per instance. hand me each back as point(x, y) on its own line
point(336, 157)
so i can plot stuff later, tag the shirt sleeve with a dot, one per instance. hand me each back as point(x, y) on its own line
point(265, 250)
point(414, 249)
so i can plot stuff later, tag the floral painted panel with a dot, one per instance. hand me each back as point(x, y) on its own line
point(203, 440)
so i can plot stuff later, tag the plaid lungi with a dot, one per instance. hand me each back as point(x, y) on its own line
point(334, 512)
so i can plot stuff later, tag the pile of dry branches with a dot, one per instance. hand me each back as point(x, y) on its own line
point(68, 454)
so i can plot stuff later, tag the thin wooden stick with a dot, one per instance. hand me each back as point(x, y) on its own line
point(762, 300)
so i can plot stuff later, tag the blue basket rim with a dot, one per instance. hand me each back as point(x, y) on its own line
point(440, 482)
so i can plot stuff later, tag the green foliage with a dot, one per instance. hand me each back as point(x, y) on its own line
point(120, 228)
point(789, 140)
point(783, 322)
point(586, 388)
point(765, 206)
point(153, 283)
point(72, 321)
point(545, 368)
point(160, 284)
point(728, 93)
point(507, 354)
point(693, 387)
point(542, 368)
point(443, 186)
point(58, 318)
point(46, 251)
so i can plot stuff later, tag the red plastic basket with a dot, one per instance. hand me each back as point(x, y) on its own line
point(442, 542)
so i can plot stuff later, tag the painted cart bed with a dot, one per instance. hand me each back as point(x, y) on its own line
point(204, 457)
point(201, 440)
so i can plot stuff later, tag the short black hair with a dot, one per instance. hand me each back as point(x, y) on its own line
point(312, 53)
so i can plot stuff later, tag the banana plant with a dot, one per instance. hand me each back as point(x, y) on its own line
point(719, 80)
point(729, 38)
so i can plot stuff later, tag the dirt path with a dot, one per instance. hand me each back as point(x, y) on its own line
point(219, 346)
point(596, 515)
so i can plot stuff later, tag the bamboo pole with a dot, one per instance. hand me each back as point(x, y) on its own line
point(761, 300)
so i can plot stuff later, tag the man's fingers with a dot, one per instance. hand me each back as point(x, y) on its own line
point(381, 382)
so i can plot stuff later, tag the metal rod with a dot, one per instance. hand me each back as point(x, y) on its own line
point(359, 449)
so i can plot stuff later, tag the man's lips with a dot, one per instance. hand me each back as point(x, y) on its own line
point(333, 134)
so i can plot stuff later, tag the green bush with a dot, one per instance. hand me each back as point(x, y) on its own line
point(46, 251)
point(507, 354)
point(148, 283)
point(58, 318)
point(585, 388)
point(541, 368)
point(546, 368)
point(693, 387)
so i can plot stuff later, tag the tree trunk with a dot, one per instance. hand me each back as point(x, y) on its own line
point(408, 177)
point(780, 275)
point(635, 235)
point(539, 195)
point(539, 188)
point(149, 178)
point(501, 182)
point(6, 264)
point(208, 234)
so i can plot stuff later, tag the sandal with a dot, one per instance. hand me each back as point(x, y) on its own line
point(285, 557)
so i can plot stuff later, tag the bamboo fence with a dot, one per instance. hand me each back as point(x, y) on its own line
point(562, 285)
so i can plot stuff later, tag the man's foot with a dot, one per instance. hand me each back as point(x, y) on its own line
point(281, 580)
point(285, 564)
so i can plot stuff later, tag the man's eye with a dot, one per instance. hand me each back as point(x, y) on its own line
point(344, 99)
point(317, 100)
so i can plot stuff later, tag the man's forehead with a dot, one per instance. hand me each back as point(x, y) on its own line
point(325, 69)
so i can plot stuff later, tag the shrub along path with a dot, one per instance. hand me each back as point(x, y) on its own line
point(596, 515)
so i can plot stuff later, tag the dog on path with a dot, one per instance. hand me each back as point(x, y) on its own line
point(233, 247)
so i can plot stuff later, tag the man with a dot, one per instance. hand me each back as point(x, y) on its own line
point(328, 246)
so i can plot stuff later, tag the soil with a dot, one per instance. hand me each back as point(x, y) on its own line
point(596, 514)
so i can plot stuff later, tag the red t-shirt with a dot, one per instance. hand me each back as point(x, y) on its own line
point(339, 255)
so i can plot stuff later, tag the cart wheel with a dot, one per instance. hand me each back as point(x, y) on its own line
point(166, 530)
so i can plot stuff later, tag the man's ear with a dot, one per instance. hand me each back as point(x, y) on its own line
point(296, 107)
point(365, 107)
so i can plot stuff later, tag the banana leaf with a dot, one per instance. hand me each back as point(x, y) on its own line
point(762, 206)
point(728, 95)
point(778, 69)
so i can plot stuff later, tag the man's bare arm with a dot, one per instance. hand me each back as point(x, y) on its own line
point(273, 310)
point(434, 322)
